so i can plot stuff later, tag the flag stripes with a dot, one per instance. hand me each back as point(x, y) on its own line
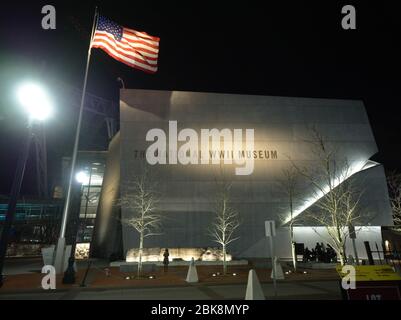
point(136, 49)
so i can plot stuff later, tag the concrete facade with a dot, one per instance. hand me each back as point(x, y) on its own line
point(282, 129)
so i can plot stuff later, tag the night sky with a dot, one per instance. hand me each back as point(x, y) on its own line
point(285, 48)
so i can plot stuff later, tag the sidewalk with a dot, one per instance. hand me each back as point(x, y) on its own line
point(298, 290)
point(175, 277)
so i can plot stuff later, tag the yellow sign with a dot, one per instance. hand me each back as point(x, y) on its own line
point(373, 273)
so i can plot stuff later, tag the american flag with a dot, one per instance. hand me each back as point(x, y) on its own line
point(136, 49)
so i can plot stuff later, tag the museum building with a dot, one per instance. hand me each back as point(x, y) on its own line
point(258, 137)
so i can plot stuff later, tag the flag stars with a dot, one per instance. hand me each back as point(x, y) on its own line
point(111, 27)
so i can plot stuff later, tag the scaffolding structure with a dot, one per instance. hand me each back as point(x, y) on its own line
point(95, 105)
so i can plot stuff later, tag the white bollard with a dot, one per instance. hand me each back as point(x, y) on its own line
point(279, 270)
point(254, 289)
point(192, 275)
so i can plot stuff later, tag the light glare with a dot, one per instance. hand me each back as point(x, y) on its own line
point(82, 177)
point(35, 101)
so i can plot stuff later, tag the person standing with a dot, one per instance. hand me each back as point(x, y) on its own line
point(166, 260)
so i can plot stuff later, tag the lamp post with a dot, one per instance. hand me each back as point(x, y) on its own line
point(37, 105)
point(82, 179)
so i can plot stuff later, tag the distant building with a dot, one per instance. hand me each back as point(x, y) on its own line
point(89, 179)
point(36, 221)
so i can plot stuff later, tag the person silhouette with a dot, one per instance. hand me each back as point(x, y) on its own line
point(166, 254)
point(318, 250)
point(307, 255)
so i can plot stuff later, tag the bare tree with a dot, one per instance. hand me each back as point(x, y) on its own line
point(290, 185)
point(226, 220)
point(141, 198)
point(338, 196)
point(394, 186)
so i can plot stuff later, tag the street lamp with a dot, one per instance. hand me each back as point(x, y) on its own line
point(38, 107)
point(83, 179)
point(35, 101)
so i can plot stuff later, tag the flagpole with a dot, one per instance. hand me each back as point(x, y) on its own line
point(59, 258)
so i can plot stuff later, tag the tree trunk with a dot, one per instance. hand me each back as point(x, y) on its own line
point(224, 260)
point(341, 249)
point(140, 254)
point(343, 256)
point(342, 260)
